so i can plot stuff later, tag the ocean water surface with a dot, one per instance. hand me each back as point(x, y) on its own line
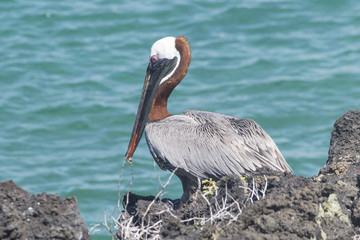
point(72, 73)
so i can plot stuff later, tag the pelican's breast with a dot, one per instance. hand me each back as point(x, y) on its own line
point(161, 138)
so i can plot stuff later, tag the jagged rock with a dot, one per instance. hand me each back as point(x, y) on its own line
point(344, 151)
point(38, 216)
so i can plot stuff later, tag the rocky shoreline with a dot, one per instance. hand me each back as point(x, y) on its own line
point(266, 205)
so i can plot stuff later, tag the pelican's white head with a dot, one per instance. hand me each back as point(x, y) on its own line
point(165, 48)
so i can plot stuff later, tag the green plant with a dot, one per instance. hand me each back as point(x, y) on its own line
point(209, 186)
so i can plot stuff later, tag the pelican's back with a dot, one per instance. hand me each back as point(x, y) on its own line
point(206, 144)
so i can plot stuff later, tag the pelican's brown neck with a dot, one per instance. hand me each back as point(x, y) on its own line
point(158, 109)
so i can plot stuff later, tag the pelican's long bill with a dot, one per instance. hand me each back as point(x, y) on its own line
point(157, 69)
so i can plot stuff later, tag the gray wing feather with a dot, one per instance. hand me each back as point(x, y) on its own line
point(212, 145)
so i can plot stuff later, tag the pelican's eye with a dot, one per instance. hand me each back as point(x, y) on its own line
point(154, 59)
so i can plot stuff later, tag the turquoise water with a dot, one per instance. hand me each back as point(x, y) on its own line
point(72, 73)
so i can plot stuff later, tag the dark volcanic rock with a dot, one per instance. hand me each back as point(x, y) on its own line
point(270, 205)
point(38, 216)
point(344, 151)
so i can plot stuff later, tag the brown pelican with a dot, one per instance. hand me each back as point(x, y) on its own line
point(198, 144)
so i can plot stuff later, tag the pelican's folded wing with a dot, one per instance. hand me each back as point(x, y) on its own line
point(208, 144)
